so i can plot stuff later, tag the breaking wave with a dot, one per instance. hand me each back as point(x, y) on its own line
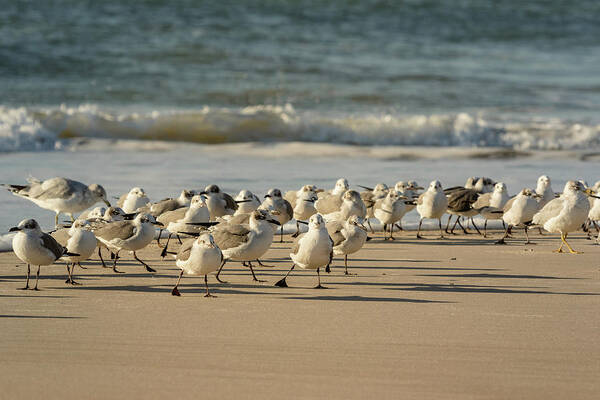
point(23, 129)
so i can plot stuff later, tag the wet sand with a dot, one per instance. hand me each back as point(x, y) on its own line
point(444, 319)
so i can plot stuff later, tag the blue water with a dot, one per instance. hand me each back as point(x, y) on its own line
point(525, 72)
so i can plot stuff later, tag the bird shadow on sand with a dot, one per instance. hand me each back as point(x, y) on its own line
point(453, 288)
point(363, 298)
point(499, 276)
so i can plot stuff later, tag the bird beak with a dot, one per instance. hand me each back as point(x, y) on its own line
point(590, 193)
point(365, 187)
point(242, 201)
point(129, 216)
point(273, 221)
point(537, 196)
point(319, 190)
point(14, 229)
point(203, 193)
point(106, 202)
point(267, 195)
point(158, 223)
point(418, 188)
point(303, 222)
point(309, 200)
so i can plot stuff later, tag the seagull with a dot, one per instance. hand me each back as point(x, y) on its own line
point(348, 237)
point(199, 256)
point(594, 214)
point(33, 246)
point(133, 200)
point(293, 195)
point(60, 195)
point(168, 204)
point(331, 201)
point(520, 212)
point(218, 202)
point(566, 213)
point(305, 208)
point(128, 235)
point(410, 191)
point(460, 203)
point(390, 210)
point(247, 202)
point(245, 243)
point(352, 204)
point(544, 189)
point(311, 250)
point(279, 207)
point(370, 196)
point(491, 205)
point(78, 239)
point(96, 212)
point(432, 204)
point(186, 220)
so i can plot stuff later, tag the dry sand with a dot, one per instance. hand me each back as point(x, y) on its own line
point(431, 319)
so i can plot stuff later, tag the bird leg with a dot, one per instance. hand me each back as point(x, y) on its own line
point(179, 239)
point(282, 282)
point(485, 228)
point(459, 224)
point(175, 291)
point(563, 237)
point(254, 278)
point(346, 265)
point(501, 240)
point(206, 284)
point(370, 227)
point(392, 232)
point(219, 271)
point(114, 267)
point(419, 229)
point(448, 223)
point(143, 263)
point(72, 218)
point(475, 226)
point(264, 265)
point(158, 237)
point(27, 281)
point(440, 225)
point(281, 234)
point(399, 225)
point(56, 220)
point(526, 236)
point(319, 281)
point(37, 278)
point(101, 259)
point(295, 235)
point(163, 253)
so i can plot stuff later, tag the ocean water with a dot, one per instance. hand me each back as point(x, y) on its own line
point(515, 74)
point(258, 94)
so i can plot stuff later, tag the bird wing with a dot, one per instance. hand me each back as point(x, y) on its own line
point(290, 196)
point(185, 250)
point(229, 236)
point(420, 198)
point(550, 210)
point(328, 204)
point(172, 216)
point(122, 199)
point(229, 202)
point(55, 188)
point(61, 236)
point(52, 245)
point(334, 228)
point(462, 200)
point(483, 200)
point(238, 219)
point(118, 229)
point(296, 245)
point(163, 206)
point(367, 198)
point(288, 208)
point(509, 204)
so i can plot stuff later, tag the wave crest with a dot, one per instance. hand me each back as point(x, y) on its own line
point(22, 129)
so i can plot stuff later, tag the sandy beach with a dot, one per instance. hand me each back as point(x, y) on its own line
point(446, 319)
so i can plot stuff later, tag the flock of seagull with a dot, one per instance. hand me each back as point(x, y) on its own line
point(218, 228)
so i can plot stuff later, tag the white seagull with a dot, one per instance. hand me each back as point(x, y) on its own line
point(311, 250)
point(348, 237)
point(566, 213)
point(33, 246)
point(390, 210)
point(128, 235)
point(432, 204)
point(245, 243)
point(199, 256)
point(133, 200)
point(78, 239)
point(60, 195)
point(219, 203)
point(520, 212)
point(279, 207)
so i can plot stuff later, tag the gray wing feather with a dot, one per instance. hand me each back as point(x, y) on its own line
point(52, 245)
point(229, 236)
point(61, 236)
point(230, 203)
point(334, 228)
point(54, 188)
point(185, 250)
point(172, 216)
point(119, 229)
